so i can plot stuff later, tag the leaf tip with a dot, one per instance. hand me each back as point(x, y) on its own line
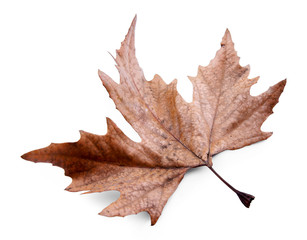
point(68, 188)
point(30, 156)
point(153, 219)
point(153, 222)
point(101, 74)
point(226, 38)
point(284, 82)
point(280, 86)
point(24, 156)
point(132, 26)
point(106, 213)
point(135, 18)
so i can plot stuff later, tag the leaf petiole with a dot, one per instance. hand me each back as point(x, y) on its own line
point(245, 198)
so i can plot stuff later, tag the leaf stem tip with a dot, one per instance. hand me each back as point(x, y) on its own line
point(245, 198)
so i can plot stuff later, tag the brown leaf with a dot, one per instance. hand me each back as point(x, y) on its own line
point(176, 135)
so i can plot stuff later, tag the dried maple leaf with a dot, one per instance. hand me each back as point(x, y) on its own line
point(176, 135)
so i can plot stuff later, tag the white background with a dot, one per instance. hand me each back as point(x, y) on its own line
point(50, 52)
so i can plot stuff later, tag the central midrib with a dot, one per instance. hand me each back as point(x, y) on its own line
point(160, 123)
point(216, 109)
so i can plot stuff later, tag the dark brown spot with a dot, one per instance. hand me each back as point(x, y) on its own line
point(164, 136)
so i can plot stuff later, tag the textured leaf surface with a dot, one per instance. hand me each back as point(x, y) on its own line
point(176, 135)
